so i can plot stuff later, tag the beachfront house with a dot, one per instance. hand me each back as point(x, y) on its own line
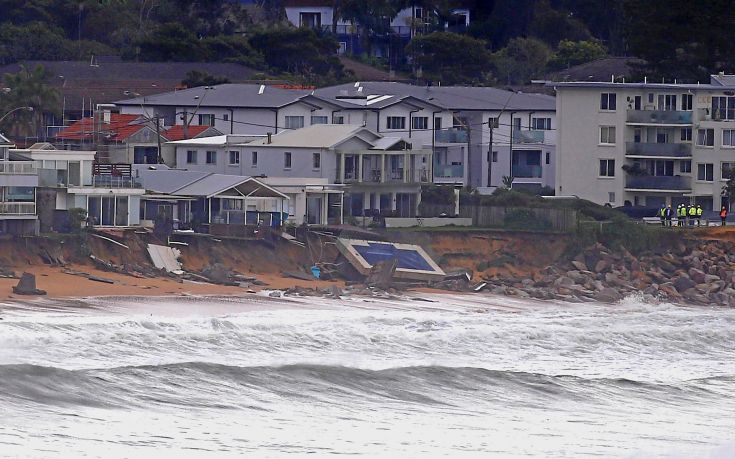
point(646, 144)
point(70, 179)
point(18, 184)
point(218, 204)
point(380, 175)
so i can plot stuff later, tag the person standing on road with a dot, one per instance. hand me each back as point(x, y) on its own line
point(691, 214)
point(699, 215)
point(662, 214)
point(723, 215)
point(669, 214)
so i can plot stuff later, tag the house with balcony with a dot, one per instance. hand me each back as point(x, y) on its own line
point(389, 40)
point(69, 179)
point(646, 144)
point(376, 174)
point(18, 184)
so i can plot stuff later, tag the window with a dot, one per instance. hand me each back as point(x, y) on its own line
point(191, 157)
point(516, 124)
point(206, 120)
point(607, 168)
point(226, 117)
point(211, 157)
point(727, 169)
point(607, 135)
point(420, 122)
point(687, 102)
point(234, 158)
point(294, 122)
point(287, 160)
point(705, 172)
point(611, 196)
point(637, 135)
point(254, 159)
point(316, 161)
point(437, 124)
point(495, 156)
point(685, 166)
point(395, 122)
point(723, 108)
point(548, 157)
point(319, 120)
point(339, 119)
point(541, 124)
point(608, 101)
point(660, 167)
point(650, 97)
point(493, 122)
point(686, 134)
point(728, 137)
point(667, 102)
point(706, 137)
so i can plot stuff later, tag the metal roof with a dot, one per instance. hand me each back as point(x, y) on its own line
point(204, 184)
point(317, 136)
point(4, 142)
point(224, 95)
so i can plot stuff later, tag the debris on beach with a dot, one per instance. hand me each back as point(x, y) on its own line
point(27, 286)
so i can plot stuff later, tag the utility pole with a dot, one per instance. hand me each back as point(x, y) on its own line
point(491, 124)
point(158, 138)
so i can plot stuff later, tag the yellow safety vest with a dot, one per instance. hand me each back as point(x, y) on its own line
point(699, 211)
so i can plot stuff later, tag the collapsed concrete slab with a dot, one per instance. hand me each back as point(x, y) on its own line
point(413, 263)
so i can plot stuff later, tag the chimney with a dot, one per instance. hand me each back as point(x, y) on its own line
point(269, 138)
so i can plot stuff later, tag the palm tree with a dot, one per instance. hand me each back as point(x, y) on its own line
point(27, 88)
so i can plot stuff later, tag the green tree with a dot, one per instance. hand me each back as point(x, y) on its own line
point(522, 60)
point(27, 88)
point(577, 52)
point(369, 16)
point(552, 26)
point(200, 78)
point(439, 57)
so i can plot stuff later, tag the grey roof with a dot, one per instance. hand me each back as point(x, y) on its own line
point(447, 97)
point(317, 136)
point(610, 85)
point(722, 80)
point(201, 184)
point(224, 95)
point(598, 70)
point(4, 142)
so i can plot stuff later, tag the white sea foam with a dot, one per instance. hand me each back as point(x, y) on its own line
point(464, 375)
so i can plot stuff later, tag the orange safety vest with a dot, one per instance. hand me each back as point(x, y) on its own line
point(723, 213)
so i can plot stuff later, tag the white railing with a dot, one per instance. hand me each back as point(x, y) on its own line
point(17, 168)
point(17, 208)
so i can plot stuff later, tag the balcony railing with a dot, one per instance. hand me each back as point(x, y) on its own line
point(17, 208)
point(658, 183)
point(449, 171)
point(111, 181)
point(452, 135)
point(530, 136)
point(525, 171)
point(17, 167)
point(659, 117)
point(656, 150)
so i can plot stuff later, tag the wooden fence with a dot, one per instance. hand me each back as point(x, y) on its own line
point(493, 216)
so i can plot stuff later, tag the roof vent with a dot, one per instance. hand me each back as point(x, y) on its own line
point(261, 90)
point(359, 89)
point(357, 84)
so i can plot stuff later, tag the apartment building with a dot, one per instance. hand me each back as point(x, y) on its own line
point(18, 183)
point(377, 174)
point(478, 134)
point(646, 144)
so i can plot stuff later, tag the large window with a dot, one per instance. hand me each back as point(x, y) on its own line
point(686, 134)
point(541, 124)
point(685, 166)
point(607, 135)
point(705, 137)
point(287, 160)
point(395, 122)
point(607, 168)
point(319, 119)
point(687, 102)
point(727, 169)
point(705, 172)
point(608, 101)
point(420, 122)
point(294, 122)
point(211, 157)
point(723, 108)
point(234, 158)
point(191, 157)
point(206, 120)
point(666, 102)
point(728, 137)
point(316, 161)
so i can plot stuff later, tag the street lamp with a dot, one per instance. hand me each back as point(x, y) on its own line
point(30, 109)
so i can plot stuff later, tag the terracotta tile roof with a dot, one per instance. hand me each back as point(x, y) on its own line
point(177, 132)
point(119, 128)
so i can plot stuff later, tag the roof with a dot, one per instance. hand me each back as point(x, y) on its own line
point(315, 136)
point(119, 128)
point(177, 132)
point(605, 69)
point(4, 142)
point(203, 184)
point(224, 95)
point(446, 97)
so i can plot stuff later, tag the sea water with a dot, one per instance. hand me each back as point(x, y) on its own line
point(468, 376)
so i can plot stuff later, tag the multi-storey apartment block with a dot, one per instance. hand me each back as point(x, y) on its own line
point(646, 144)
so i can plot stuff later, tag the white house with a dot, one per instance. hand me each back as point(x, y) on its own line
point(646, 144)
point(18, 184)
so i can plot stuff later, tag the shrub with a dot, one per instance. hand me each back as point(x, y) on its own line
point(525, 219)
